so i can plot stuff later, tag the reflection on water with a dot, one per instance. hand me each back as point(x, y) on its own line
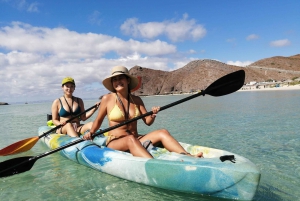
point(262, 126)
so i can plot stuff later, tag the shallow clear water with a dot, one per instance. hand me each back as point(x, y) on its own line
point(262, 126)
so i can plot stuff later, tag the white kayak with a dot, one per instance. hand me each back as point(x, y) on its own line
point(220, 173)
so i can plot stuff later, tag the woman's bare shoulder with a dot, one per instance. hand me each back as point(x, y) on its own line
point(107, 97)
point(56, 104)
point(56, 101)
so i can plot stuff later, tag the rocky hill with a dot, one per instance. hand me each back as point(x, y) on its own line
point(199, 74)
point(286, 63)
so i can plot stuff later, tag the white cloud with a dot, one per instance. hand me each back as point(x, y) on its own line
point(33, 7)
point(191, 51)
point(239, 63)
point(94, 18)
point(146, 30)
point(184, 29)
point(280, 43)
point(20, 58)
point(20, 4)
point(70, 44)
point(36, 59)
point(182, 63)
point(252, 37)
point(24, 5)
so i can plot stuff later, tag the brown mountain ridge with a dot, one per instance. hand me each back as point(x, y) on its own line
point(199, 74)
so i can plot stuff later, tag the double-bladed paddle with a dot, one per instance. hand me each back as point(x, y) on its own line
point(27, 144)
point(223, 86)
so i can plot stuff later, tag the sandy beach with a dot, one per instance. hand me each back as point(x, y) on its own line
point(285, 87)
point(245, 88)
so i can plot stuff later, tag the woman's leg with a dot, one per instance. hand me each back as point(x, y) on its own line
point(84, 127)
point(69, 129)
point(129, 143)
point(167, 140)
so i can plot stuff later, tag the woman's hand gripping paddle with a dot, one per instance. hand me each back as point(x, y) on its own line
point(223, 86)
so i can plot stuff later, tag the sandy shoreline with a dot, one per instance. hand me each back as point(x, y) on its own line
point(285, 87)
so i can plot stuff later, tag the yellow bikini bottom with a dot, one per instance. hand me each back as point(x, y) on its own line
point(112, 137)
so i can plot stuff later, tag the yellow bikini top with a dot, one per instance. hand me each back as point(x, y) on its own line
point(117, 115)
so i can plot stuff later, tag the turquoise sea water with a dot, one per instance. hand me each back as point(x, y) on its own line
point(262, 126)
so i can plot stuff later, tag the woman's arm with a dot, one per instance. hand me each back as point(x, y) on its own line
point(148, 120)
point(87, 115)
point(99, 119)
point(54, 110)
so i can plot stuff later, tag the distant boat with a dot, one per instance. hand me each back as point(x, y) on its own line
point(26, 103)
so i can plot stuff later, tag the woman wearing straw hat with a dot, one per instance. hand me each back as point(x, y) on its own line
point(120, 106)
point(69, 106)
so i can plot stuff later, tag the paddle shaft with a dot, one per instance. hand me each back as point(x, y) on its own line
point(57, 127)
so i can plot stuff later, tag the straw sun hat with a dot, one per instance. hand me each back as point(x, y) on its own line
point(119, 70)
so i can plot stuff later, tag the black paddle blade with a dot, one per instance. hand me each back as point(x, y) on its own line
point(226, 84)
point(16, 165)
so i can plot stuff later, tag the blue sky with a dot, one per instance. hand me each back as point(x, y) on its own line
point(41, 42)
